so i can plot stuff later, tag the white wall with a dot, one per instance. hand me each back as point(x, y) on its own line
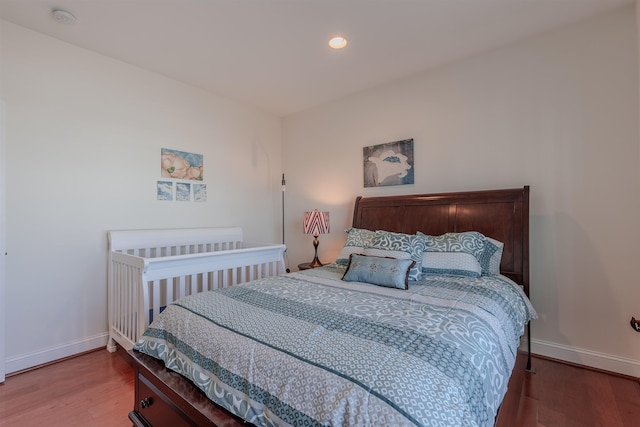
point(558, 113)
point(83, 141)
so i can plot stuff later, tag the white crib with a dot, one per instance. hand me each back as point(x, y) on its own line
point(149, 269)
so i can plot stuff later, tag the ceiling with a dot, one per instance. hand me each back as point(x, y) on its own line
point(273, 54)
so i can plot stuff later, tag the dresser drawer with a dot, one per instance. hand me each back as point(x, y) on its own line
point(156, 408)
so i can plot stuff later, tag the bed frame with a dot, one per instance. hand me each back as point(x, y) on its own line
point(500, 214)
point(149, 269)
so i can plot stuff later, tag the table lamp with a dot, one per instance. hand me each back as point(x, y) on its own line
point(316, 223)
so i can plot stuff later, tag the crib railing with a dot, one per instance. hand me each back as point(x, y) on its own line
point(143, 280)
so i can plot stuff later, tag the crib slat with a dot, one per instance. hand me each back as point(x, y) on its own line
point(132, 299)
point(155, 306)
point(227, 278)
point(125, 306)
point(181, 289)
point(216, 279)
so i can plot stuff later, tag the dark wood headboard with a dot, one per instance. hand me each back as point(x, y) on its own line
point(500, 214)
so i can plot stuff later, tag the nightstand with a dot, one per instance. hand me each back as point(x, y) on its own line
point(304, 266)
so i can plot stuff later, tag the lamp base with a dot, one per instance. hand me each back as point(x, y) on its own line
point(316, 262)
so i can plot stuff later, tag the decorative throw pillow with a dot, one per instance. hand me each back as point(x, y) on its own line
point(387, 272)
point(491, 257)
point(454, 253)
point(400, 246)
point(357, 240)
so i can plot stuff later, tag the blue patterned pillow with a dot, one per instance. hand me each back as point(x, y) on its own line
point(357, 240)
point(387, 272)
point(454, 253)
point(470, 242)
point(491, 257)
point(400, 246)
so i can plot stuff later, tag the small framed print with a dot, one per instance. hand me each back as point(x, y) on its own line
point(164, 190)
point(183, 191)
point(199, 192)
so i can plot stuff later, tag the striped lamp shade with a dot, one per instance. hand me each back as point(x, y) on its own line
point(316, 222)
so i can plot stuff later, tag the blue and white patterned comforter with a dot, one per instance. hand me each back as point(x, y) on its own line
point(310, 349)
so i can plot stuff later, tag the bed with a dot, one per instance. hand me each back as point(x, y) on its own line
point(309, 348)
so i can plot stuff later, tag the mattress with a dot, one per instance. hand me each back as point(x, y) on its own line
point(310, 349)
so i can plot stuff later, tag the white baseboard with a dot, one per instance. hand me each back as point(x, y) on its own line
point(580, 356)
point(26, 361)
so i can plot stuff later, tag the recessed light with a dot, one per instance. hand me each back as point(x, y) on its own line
point(62, 16)
point(338, 42)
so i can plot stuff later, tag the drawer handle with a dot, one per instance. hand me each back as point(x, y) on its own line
point(146, 402)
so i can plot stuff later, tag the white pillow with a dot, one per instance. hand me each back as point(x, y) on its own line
point(454, 263)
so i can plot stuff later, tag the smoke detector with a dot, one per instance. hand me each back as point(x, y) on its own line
point(62, 16)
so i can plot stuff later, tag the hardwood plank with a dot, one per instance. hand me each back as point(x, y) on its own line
point(626, 395)
point(604, 403)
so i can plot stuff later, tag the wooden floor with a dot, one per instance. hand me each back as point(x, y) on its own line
point(96, 389)
point(563, 395)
